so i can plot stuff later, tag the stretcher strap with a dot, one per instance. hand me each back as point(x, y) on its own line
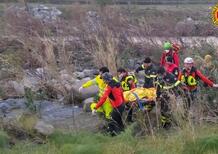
point(138, 101)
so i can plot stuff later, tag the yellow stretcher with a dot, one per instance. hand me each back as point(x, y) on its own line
point(140, 93)
point(148, 94)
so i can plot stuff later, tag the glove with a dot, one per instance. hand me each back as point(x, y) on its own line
point(215, 85)
point(94, 112)
point(168, 87)
point(80, 89)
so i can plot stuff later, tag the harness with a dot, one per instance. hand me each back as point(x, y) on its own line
point(189, 78)
point(169, 54)
point(124, 83)
point(140, 101)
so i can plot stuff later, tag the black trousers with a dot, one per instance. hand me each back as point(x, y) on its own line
point(115, 125)
point(190, 97)
point(165, 109)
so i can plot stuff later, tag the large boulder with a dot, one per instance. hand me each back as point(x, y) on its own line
point(87, 73)
point(85, 92)
point(10, 104)
point(86, 104)
point(44, 128)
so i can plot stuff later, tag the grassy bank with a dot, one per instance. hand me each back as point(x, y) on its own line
point(199, 140)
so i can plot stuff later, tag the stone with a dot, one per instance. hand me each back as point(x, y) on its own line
point(86, 104)
point(85, 92)
point(44, 128)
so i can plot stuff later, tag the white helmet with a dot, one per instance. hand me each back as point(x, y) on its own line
point(188, 60)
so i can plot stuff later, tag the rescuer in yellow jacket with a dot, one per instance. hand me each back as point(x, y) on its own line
point(128, 82)
point(106, 108)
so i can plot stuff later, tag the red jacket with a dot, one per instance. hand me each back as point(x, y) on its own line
point(197, 75)
point(114, 93)
point(172, 68)
point(172, 53)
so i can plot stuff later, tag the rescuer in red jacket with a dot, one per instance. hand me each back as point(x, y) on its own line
point(190, 77)
point(170, 67)
point(114, 91)
point(170, 50)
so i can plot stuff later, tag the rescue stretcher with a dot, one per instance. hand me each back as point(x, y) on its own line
point(140, 96)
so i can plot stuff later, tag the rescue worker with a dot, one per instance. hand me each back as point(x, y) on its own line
point(165, 84)
point(150, 77)
point(106, 107)
point(208, 67)
point(115, 94)
point(170, 50)
point(128, 81)
point(190, 77)
point(170, 67)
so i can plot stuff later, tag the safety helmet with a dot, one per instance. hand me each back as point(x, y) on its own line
point(107, 77)
point(167, 46)
point(176, 47)
point(188, 60)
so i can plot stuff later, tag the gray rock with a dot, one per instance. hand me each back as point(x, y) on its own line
point(93, 21)
point(86, 92)
point(10, 104)
point(44, 128)
point(51, 115)
point(86, 104)
point(66, 78)
point(88, 73)
point(79, 75)
point(18, 87)
point(51, 112)
point(45, 13)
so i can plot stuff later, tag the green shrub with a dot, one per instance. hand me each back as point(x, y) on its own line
point(29, 95)
point(59, 138)
point(81, 149)
point(4, 139)
point(202, 146)
point(31, 148)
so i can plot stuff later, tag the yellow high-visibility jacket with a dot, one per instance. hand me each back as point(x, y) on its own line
point(96, 81)
point(106, 107)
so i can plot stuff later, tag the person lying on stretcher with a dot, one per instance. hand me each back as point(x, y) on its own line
point(137, 95)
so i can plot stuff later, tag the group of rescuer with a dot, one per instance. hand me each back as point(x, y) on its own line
point(165, 78)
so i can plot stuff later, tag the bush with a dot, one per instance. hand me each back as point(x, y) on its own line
point(4, 140)
point(29, 95)
point(202, 146)
point(81, 149)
